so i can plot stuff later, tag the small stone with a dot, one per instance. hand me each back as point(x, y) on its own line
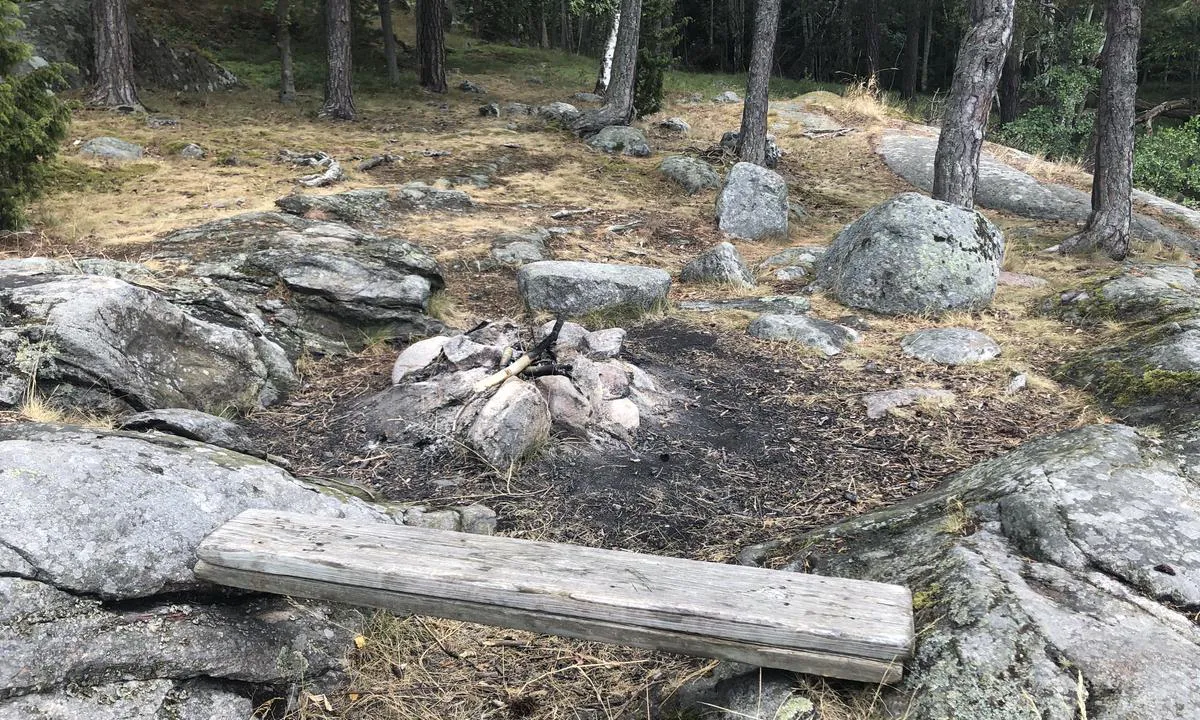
point(465, 353)
point(477, 519)
point(691, 174)
point(570, 411)
point(805, 257)
point(621, 417)
point(192, 151)
point(728, 96)
point(1017, 384)
point(950, 346)
point(490, 110)
point(570, 338)
point(620, 139)
point(435, 520)
point(722, 265)
point(417, 357)
point(111, 148)
point(470, 87)
point(822, 335)
point(879, 403)
point(603, 344)
point(675, 125)
point(790, 273)
point(157, 122)
point(559, 112)
point(851, 496)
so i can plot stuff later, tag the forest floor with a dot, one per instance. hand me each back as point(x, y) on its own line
point(775, 443)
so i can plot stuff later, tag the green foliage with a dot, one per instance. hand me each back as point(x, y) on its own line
point(1042, 129)
point(33, 121)
point(658, 37)
point(1167, 162)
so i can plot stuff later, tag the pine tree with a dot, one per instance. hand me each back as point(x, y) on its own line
point(32, 122)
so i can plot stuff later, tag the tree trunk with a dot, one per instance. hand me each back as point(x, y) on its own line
point(339, 93)
point(389, 41)
point(752, 140)
point(925, 50)
point(113, 55)
point(431, 46)
point(976, 74)
point(618, 100)
point(283, 33)
point(912, 51)
point(564, 27)
point(1010, 80)
point(1112, 183)
point(610, 49)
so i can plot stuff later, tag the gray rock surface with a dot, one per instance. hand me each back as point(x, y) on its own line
point(96, 616)
point(803, 256)
point(521, 248)
point(417, 356)
point(100, 344)
point(512, 425)
point(194, 425)
point(880, 403)
point(772, 304)
point(1003, 187)
point(603, 344)
point(753, 203)
point(570, 411)
point(829, 338)
point(621, 140)
point(950, 346)
point(339, 285)
point(691, 174)
point(728, 96)
point(1151, 372)
point(111, 148)
point(722, 265)
point(578, 288)
point(1069, 562)
point(559, 112)
point(914, 255)
point(192, 151)
point(675, 125)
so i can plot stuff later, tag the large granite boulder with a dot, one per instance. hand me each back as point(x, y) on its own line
point(578, 288)
point(325, 282)
point(914, 255)
point(1061, 576)
point(1151, 373)
point(97, 343)
point(101, 617)
point(753, 204)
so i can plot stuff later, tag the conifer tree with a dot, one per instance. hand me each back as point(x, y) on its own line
point(32, 121)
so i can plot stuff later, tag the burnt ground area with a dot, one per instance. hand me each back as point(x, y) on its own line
point(762, 444)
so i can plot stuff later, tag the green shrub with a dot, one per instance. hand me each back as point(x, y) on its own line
point(33, 122)
point(1167, 162)
point(1044, 130)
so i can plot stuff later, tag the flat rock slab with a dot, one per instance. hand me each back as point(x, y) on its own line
point(773, 304)
point(1003, 187)
point(194, 425)
point(111, 148)
point(879, 403)
point(691, 174)
point(950, 346)
point(577, 288)
point(829, 338)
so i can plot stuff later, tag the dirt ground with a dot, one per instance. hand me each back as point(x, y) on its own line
point(765, 442)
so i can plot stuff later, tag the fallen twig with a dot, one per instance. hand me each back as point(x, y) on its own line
point(820, 134)
point(569, 213)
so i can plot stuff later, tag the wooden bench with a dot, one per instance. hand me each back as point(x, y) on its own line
point(849, 629)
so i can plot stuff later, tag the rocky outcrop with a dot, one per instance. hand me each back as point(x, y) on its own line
point(1151, 372)
point(60, 31)
point(914, 255)
point(98, 343)
point(100, 615)
point(691, 174)
point(1061, 575)
point(1002, 187)
point(325, 283)
point(753, 203)
point(373, 206)
point(578, 288)
point(111, 148)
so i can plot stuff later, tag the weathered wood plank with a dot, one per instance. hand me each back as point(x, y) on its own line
point(831, 626)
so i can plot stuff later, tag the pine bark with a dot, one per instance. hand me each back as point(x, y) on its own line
point(339, 92)
point(752, 139)
point(871, 12)
point(1010, 80)
point(1107, 228)
point(912, 50)
point(606, 62)
point(389, 41)
point(283, 39)
point(431, 45)
point(113, 54)
point(618, 100)
point(925, 49)
point(976, 75)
